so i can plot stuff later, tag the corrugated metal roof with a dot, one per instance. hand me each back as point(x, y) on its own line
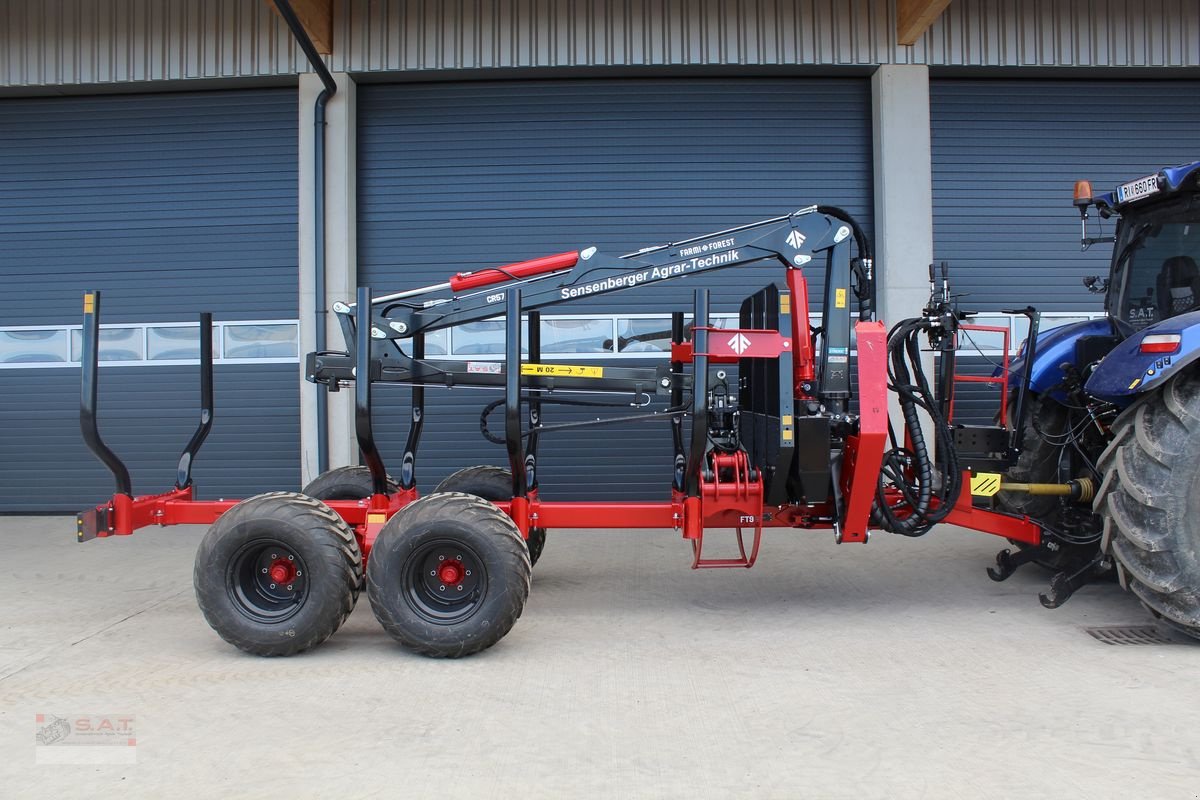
point(54, 42)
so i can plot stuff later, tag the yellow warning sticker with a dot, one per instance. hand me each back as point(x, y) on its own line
point(985, 484)
point(785, 303)
point(562, 370)
point(376, 519)
point(839, 298)
point(89, 303)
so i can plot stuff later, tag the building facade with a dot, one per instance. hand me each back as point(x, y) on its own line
point(162, 152)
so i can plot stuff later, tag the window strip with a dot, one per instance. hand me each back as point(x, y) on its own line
point(276, 341)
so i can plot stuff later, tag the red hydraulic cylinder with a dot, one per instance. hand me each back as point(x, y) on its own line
point(522, 269)
point(804, 365)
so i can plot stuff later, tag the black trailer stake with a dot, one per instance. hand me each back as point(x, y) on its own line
point(187, 458)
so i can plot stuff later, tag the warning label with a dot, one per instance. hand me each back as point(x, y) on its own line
point(485, 367)
point(985, 484)
point(562, 370)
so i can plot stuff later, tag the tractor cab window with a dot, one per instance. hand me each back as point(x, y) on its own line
point(1157, 271)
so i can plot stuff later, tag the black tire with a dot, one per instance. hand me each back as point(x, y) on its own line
point(495, 484)
point(456, 615)
point(345, 483)
point(276, 537)
point(1150, 501)
point(1038, 461)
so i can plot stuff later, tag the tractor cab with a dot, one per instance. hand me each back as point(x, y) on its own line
point(1152, 293)
point(1156, 263)
point(1155, 272)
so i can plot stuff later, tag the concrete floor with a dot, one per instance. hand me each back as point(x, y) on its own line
point(893, 670)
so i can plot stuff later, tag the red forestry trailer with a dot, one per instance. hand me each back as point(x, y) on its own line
point(791, 442)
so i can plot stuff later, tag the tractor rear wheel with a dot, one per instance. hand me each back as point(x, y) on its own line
point(449, 575)
point(494, 484)
point(1150, 501)
point(1039, 462)
point(277, 574)
point(345, 483)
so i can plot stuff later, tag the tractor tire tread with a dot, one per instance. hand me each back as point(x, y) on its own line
point(1143, 501)
point(1037, 461)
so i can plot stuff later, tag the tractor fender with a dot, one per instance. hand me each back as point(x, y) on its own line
point(1055, 347)
point(1127, 371)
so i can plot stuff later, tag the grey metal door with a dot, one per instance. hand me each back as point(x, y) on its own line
point(455, 177)
point(1006, 155)
point(171, 204)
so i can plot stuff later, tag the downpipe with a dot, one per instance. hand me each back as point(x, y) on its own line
point(284, 7)
point(319, 290)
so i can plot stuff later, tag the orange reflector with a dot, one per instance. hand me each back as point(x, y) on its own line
point(1161, 343)
point(1083, 193)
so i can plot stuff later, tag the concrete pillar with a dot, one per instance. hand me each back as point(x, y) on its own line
point(341, 259)
point(903, 188)
point(903, 195)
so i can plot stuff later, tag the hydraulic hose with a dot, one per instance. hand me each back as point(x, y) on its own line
point(866, 299)
point(492, 406)
point(923, 492)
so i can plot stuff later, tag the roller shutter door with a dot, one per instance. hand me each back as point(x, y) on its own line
point(458, 176)
point(1006, 155)
point(171, 204)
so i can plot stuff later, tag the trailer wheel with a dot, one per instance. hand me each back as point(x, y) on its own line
point(277, 574)
point(1150, 501)
point(495, 484)
point(449, 575)
point(345, 483)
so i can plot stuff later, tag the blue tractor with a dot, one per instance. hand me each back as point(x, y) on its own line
point(1107, 419)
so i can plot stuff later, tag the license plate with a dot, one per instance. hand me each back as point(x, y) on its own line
point(1136, 190)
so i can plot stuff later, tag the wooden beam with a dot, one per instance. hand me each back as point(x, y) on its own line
point(913, 18)
point(317, 18)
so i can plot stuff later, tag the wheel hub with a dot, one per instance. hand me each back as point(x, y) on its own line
point(282, 571)
point(451, 573)
point(444, 581)
point(267, 581)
